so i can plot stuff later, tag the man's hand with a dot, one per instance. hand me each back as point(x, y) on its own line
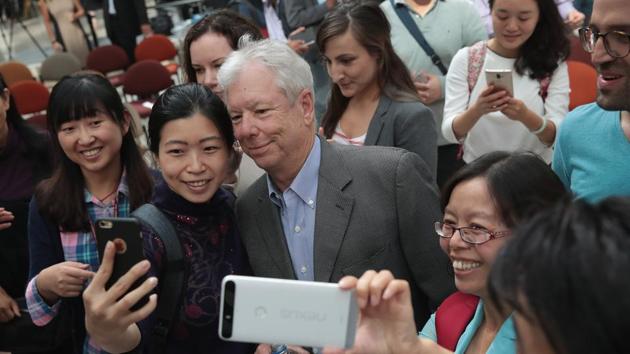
point(430, 90)
point(8, 307)
point(5, 219)
point(298, 45)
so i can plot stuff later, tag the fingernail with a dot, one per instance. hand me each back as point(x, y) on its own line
point(153, 281)
point(109, 245)
point(146, 264)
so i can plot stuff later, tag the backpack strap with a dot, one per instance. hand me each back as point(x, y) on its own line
point(476, 57)
point(544, 87)
point(172, 279)
point(452, 317)
point(403, 13)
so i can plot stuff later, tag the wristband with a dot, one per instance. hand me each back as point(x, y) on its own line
point(542, 127)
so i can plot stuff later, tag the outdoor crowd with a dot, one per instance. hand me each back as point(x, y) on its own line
point(468, 216)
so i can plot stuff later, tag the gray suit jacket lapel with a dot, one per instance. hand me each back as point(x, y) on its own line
point(270, 226)
point(334, 208)
point(378, 121)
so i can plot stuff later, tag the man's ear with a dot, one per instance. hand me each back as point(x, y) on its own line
point(306, 100)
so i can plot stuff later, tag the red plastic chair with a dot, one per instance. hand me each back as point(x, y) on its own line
point(158, 47)
point(14, 71)
point(145, 79)
point(107, 60)
point(583, 83)
point(31, 98)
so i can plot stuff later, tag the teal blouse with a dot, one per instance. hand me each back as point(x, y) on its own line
point(503, 343)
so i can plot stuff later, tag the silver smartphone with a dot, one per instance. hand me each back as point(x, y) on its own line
point(292, 312)
point(501, 79)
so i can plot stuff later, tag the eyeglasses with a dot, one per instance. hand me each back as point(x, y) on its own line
point(616, 43)
point(472, 235)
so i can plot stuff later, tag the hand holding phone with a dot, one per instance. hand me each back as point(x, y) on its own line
point(265, 310)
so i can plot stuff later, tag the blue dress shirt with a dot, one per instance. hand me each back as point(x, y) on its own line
point(297, 210)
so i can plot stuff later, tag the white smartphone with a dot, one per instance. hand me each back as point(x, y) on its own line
point(501, 79)
point(292, 312)
point(310, 43)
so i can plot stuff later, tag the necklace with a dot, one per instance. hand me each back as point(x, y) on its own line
point(102, 200)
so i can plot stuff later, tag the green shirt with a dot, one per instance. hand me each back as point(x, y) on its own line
point(449, 26)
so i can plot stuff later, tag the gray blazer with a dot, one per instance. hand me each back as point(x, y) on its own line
point(375, 210)
point(407, 125)
point(307, 13)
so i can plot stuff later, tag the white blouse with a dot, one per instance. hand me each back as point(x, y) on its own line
point(495, 131)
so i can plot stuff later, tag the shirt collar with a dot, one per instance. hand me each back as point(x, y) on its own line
point(403, 2)
point(122, 188)
point(305, 183)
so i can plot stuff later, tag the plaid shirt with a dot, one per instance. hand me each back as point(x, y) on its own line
point(79, 247)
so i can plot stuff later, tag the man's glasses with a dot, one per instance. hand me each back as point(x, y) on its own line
point(616, 43)
point(472, 235)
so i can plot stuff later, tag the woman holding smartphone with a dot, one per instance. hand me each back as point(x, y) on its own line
point(373, 100)
point(190, 134)
point(531, 44)
point(99, 173)
point(483, 204)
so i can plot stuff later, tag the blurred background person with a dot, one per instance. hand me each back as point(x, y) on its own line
point(124, 21)
point(531, 44)
point(446, 26)
point(309, 14)
point(67, 14)
point(572, 17)
point(373, 100)
point(24, 161)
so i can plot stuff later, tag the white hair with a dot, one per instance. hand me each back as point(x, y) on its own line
point(292, 73)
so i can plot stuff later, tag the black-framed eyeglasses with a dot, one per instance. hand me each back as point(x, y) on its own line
point(616, 43)
point(472, 235)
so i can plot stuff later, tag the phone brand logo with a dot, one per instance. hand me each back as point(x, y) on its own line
point(260, 312)
point(308, 316)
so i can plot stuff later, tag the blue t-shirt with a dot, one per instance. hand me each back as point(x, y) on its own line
point(591, 154)
point(504, 342)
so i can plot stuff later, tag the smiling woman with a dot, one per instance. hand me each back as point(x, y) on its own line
point(99, 173)
point(191, 135)
point(531, 46)
point(483, 202)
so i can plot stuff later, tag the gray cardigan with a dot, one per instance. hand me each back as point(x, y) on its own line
point(407, 125)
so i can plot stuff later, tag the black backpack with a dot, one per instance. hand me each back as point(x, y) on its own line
point(172, 279)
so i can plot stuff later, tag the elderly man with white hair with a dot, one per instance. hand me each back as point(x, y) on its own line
point(323, 210)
